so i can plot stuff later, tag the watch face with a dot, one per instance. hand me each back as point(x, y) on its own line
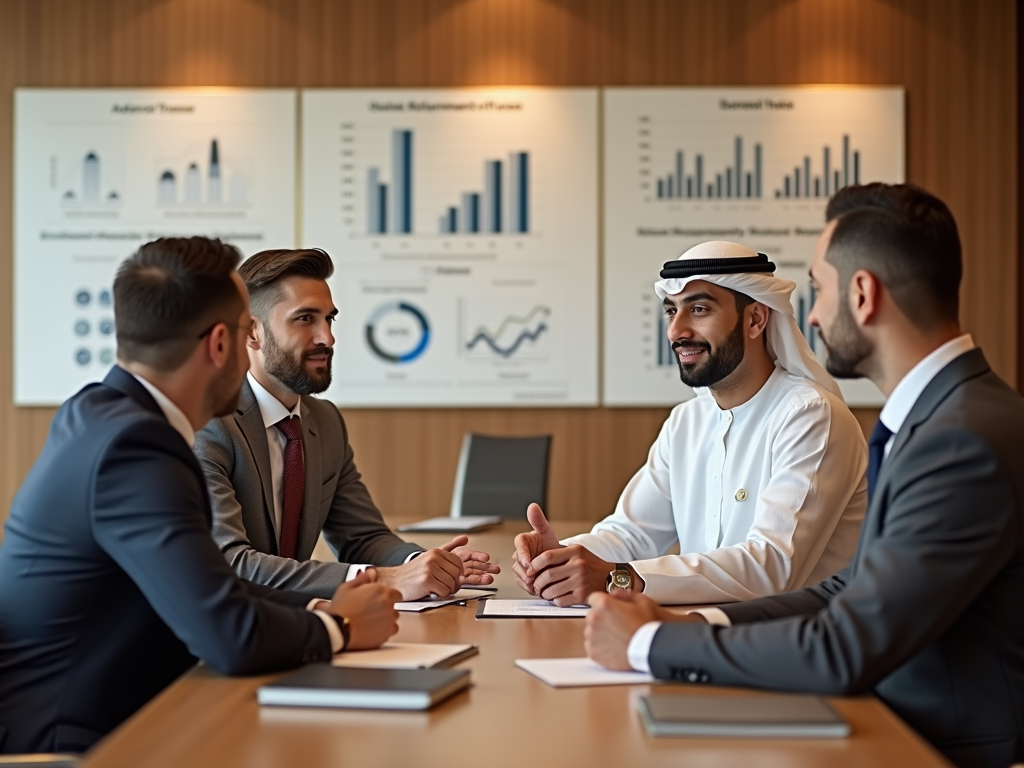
point(622, 579)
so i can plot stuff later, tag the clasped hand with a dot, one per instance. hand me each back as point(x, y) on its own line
point(441, 571)
point(546, 569)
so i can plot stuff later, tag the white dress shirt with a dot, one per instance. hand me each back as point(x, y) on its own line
point(763, 498)
point(893, 415)
point(272, 410)
point(177, 419)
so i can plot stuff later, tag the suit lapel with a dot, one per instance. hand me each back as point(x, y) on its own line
point(310, 523)
point(250, 422)
point(968, 366)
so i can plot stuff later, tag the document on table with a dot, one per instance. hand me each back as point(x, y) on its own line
point(428, 603)
point(528, 609)
point(569, 673)
point(407, 656)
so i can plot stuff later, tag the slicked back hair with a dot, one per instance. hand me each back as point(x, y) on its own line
point(908, 239)
point(263, 272)
point(168, 293)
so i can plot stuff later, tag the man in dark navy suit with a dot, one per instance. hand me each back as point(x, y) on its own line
point(110, 582)
point(928, 614)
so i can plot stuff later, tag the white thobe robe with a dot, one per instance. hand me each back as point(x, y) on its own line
point(763, 498)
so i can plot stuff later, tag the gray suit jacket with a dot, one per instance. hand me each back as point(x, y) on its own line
point(929, 613)
point(234, 455)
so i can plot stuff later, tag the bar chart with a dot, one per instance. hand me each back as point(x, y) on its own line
point(832, 176)
point(195, 187)
point(755, 166)
point(732, 182)
point(92, 187)
point(501, 205)
point(481, 212)
point(476, 206)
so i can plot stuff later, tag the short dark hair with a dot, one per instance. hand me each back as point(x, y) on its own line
point(168, 293)
point(907, 238)
point(262, 271)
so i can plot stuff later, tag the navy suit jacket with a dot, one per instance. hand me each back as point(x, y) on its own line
point(929, 614)
point(111, 585)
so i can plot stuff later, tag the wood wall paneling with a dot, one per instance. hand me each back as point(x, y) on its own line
point(956, 58)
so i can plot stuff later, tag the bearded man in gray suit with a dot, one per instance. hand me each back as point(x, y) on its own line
point(280, 469)
point(927, 616)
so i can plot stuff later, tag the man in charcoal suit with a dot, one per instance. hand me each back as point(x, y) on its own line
point(927, 615)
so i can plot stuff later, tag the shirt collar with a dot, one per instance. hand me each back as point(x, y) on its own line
point(174, 415)
point(906, 393)
point(754, 402)
point(271, 408)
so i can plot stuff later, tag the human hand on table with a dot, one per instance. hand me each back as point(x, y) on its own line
point(614, 618)
point(529, 545)
point(545, 568)
point(434, 572)
point(370, 610)
point(477, 566)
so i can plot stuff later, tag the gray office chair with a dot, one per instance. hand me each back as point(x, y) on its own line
point(500, 475)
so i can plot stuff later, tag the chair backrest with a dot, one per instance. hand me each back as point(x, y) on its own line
point(500, 475)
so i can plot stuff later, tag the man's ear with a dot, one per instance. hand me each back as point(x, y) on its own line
point(254, 338)
point(758, 319)
point(218, 345)
point(864, 296)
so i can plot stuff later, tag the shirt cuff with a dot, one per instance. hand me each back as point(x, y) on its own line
point(355, 570)
point(412, 555)
point(639, 649)
point(716, 617)
point(337, 639)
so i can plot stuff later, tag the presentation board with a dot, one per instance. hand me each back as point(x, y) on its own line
point(99, 172)
point(463, 228)
point(752, 165)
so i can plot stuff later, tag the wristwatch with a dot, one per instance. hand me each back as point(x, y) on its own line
point(345, 627)
point(620, 578)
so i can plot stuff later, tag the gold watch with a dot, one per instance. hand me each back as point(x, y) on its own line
point(620, 578)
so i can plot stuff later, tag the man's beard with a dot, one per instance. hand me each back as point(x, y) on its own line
point(846, 345)
point(291, 371)
point(224, 389)
point(720, 363)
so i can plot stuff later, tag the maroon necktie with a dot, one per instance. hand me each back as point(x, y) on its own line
point(294, 478)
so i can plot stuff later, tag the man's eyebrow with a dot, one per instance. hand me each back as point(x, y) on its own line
point(306, 311)
point(701, 296)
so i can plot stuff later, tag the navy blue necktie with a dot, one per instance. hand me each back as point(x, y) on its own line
point(876, 452)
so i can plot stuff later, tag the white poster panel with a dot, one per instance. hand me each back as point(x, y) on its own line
point(752, 165)
point(463, 228)
point(98, 172)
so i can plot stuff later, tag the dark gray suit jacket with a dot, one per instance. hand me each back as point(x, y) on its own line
point(235, 457)
point(110, 584)
point(930, 613)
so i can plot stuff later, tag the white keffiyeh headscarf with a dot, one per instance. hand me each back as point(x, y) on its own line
point(786, 344)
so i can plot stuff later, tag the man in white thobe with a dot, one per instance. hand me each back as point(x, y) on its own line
point(760, 479)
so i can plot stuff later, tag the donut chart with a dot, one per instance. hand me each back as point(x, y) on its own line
point(398, 332)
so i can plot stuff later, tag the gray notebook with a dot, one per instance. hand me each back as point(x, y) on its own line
point(322, 685)
point(777, 715)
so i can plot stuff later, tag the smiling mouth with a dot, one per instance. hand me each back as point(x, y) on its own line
point(689, 354)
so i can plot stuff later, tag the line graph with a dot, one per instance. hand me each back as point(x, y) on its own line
point(504, 330)
point(525, 335)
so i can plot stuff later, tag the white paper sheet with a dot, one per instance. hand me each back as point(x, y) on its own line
point(406, 656)
point(528, 609)
point(418, 606)
point(567, 673)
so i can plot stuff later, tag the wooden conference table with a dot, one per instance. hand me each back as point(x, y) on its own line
point(507, 717)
